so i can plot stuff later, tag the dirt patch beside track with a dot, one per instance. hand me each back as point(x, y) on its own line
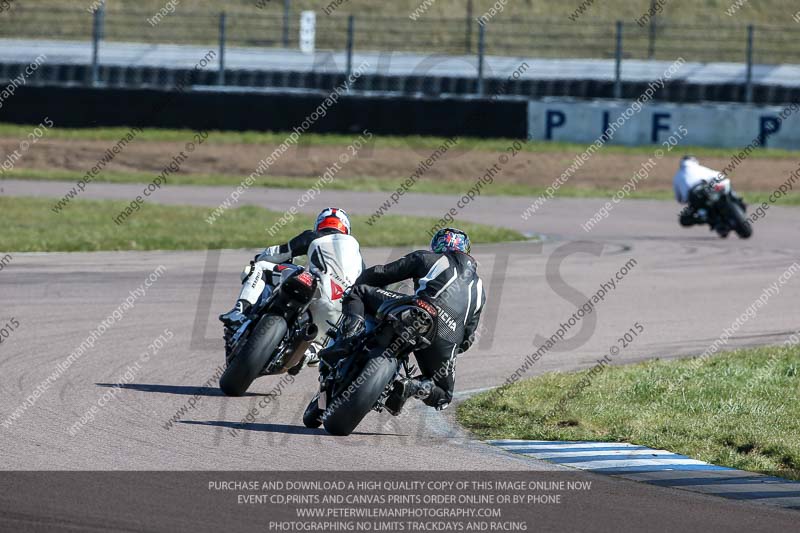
point(603, 170)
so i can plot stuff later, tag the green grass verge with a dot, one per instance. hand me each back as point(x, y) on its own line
point(381, 141)
point(739, 409)
point(86, 225)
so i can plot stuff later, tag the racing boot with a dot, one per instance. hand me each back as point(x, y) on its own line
point(405, 388)
point(312, 355)
point(236, 316)
point(351, 329)
point(253, 286)
point(687, 219)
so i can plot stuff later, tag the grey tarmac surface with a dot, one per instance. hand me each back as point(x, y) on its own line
point(685, 288)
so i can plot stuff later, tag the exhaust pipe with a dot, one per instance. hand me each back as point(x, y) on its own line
point(308, 335)
point(311, 332)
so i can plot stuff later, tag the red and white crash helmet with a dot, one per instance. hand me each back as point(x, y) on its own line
point(334, 218)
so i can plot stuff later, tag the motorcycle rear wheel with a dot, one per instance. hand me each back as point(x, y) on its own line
point(347, 409)
point(246, 365)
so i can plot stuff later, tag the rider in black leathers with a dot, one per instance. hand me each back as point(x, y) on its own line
point(447, 276)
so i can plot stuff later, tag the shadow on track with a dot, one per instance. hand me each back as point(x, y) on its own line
point(184, 390)
point(277, 428)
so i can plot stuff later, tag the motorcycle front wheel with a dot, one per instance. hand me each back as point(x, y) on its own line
point(312, 417)
point(739, 221)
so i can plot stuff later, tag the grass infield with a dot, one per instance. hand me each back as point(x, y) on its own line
point(739, 409)
point(87, 225)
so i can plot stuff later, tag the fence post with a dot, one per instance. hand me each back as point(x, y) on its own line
point(97, 35)
point(351, 24)
point(287, 8)
point(481, 53)
point(748, 89)
point(651, 41)
point(618, 63)
point(469, 27)
point(221, 75)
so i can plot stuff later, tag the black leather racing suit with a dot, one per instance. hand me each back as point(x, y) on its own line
point(449, 280)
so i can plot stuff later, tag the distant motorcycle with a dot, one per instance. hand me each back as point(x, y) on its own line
point(723, 209)
point(275, 338)
point(355, 385)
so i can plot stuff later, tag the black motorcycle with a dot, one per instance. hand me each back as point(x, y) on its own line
point(276, 335)
point(725, 211)
point(361, 382)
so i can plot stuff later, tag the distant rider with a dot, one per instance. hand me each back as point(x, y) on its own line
point(690, 184)
point(448, 277)
point(333, 254)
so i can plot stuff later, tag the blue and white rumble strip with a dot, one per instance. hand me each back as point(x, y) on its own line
point(659, 467)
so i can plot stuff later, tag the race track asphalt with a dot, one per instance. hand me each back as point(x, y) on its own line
point(685, 287)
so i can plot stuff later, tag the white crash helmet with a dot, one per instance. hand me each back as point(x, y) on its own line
point(333, 218)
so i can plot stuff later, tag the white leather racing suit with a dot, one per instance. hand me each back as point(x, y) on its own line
point(688, 176)
point(333, 256)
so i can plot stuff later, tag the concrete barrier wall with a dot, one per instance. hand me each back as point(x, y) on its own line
point(625, 122)
point(628, 123)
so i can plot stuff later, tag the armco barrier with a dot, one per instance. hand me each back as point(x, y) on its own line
point(120, 76)
point(242, 110)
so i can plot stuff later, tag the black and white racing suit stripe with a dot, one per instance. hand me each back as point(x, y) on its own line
point(451, 282)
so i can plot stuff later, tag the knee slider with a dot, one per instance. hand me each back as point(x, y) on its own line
point(246, 272)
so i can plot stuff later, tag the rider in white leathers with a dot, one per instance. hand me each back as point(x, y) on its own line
point(692, 184)
point(333, 254)
point(690, 174)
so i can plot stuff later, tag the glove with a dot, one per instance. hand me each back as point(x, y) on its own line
point(269, 254)
point(466, 344)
